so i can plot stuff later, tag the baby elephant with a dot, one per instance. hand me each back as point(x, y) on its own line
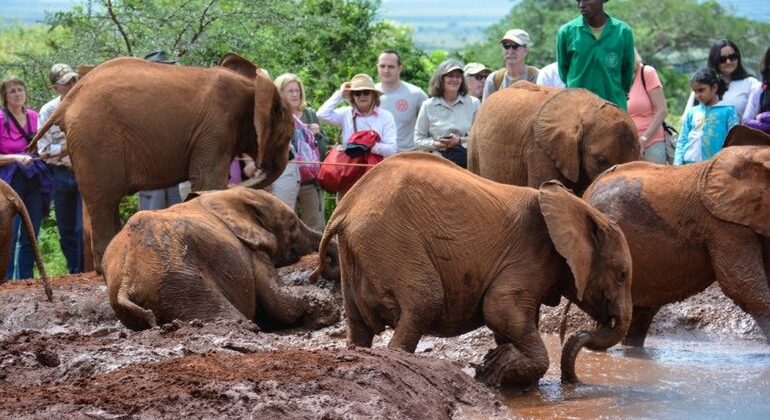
point(430, 248)
point(10, 206)
point(210, 257)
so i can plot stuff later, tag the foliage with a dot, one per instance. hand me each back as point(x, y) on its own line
point(672, 35)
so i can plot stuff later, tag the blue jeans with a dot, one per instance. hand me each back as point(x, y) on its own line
point(68, 207)
point(22, 258)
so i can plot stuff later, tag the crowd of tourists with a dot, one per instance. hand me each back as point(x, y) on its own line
point(595, 51)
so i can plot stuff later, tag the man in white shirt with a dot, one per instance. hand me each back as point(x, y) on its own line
point(549, 76)
point(515, 46)
point(400, 98)
point(52, 147)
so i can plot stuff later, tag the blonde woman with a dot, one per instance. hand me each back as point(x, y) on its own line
point(309, 199)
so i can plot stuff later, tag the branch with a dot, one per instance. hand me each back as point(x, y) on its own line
point(120, 27)
point(203, 23)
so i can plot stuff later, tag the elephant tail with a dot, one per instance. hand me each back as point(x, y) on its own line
point(53, 120)
point(133, 313)
point(331, 229)
point(21, 209)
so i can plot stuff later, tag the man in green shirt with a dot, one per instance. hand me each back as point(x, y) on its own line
point(596, 52)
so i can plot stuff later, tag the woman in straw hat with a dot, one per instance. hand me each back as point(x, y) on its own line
point(364, 113)
point(446, 117)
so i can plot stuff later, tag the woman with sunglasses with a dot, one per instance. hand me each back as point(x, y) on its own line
point(364, 113)
point(446, 117)
point(757, 114)
point(725, 59)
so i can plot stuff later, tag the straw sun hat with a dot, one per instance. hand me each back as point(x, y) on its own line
point(361, 82)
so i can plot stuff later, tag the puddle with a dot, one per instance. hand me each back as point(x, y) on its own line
point(666, 379)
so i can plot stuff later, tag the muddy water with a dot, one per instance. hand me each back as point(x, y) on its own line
point(667, 379)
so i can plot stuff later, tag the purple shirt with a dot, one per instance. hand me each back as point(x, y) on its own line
point(11, 140)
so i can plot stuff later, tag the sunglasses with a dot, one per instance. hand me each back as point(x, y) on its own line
point(732, 57)
point(361, 92)
point(480, 77)
point(508, 46)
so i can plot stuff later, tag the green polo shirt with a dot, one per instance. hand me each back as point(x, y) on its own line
point(605, 66)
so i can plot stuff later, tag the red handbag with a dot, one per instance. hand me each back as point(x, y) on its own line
point(342, 168)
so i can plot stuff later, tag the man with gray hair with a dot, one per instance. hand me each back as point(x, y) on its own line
point(515, 45)
point(52, 147)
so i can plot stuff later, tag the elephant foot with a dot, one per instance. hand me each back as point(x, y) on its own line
point(505, 365)
point(635, 341)
point(320, 313)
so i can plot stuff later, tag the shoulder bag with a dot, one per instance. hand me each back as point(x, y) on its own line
point(342, 168)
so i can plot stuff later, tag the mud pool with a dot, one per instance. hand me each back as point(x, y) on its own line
point(71, 358)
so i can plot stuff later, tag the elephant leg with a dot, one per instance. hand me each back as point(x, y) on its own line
point(107, 219)
point(410, 328)
point(359, 332)
point(640, 324)
point(521, 359)
point(742, 276)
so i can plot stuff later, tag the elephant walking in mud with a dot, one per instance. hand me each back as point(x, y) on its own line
point(430, 248)
point(210, 257)
point(11, 205)
point(688, 226)
point(529, 134)
point(136, 125)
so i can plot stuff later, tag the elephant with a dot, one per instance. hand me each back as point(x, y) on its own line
point(11, 205)
point(529, 134)
point(135, 125)
point(213, 256)
point(688, 226)
point(430, 248)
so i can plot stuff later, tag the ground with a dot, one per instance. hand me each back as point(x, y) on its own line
point(72, 358)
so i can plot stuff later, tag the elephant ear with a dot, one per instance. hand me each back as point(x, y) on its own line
point(576, 230)
point(239, 65)
point(740, 135)
point(734, 187)
point(558, 130)
point(274, 124)
point(240, 210)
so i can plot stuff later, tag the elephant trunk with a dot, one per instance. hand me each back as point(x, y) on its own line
point(602, 338)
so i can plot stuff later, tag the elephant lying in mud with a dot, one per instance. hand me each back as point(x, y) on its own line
point(688, 226)
point(529, 134)
point(10, 206)
point(212, 256)
point(431, 248)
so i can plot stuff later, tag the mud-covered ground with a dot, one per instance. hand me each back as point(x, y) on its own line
point(72, 358)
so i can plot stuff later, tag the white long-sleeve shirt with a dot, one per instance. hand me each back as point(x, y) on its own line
point(380, 120)
point(53, 141)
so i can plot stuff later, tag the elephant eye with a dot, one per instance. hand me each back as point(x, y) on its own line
point(602, 160)
point(622, 276)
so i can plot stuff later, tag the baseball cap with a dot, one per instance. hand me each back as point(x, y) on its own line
point(518, 36)
point(61, 74)
point(475, 68)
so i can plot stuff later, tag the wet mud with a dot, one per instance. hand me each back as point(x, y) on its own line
point(72, 359)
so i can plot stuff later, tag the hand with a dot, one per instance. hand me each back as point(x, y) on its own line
point(344, 87)
point(58, 136)
point(315, 128)
point(249, 169)
point(23, 159)
point(450, 141)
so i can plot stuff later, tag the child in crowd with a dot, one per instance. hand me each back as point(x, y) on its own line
point(705, 125)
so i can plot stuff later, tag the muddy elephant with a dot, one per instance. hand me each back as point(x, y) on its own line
point(688, 226)
point(135, 125)
point(11, 205)
point(213, 256)
point(530, 134)
point(430, 248)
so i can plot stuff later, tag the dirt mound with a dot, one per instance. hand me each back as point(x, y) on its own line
point(286, 383)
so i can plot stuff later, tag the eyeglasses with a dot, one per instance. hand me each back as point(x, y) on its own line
point(732, 57)
point(453, 75)
point(361, 92)
point(516, 47)
point(479, 77)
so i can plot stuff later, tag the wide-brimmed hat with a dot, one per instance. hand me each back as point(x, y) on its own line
point(361, 82)
point(159, 57)
point(61, 74)
point(475, 68)
point(518, 36)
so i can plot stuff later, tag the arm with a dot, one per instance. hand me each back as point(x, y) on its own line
point(327, 112)
point(732, 119)
point(489, 86)
point(422, 137)
point(688, 105)
point(627, 64)
point(562, 55)
point(681, 142)
point(387, 145)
